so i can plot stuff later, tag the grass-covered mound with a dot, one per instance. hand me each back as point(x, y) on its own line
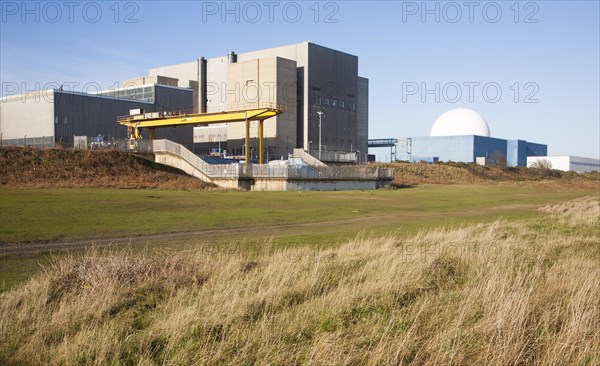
point(29, 167)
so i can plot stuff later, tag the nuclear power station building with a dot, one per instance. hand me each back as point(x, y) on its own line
point(462, 135)
point(324, 98)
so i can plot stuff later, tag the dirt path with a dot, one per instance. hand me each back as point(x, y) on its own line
point(33, 248)
point(28, 249)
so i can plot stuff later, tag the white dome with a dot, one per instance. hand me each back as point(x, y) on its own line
point(460, 121)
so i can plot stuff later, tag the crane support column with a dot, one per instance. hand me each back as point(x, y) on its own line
point(151, 134)
point(247, 141)
point(260, 142)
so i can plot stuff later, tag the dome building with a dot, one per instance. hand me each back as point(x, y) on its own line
point(459, 122)
point(463, 135)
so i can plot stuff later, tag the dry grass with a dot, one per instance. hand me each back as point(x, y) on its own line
point(496, 294)
point(66, 168)
point(461, 173)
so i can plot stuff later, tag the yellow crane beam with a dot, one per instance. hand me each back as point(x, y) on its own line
point(174, 119)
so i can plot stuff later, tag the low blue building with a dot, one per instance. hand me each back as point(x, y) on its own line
point(462, 135)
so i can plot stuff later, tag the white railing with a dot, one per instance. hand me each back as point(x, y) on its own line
point(307, 158)
point(335, 156)
point(223, 171)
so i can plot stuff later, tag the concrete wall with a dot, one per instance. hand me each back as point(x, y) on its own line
point(183, 72)
point(311, 185)
point(155, 79)
point(182, 164)
point(299, 53)
point(27, 115)
point(258, 81)
point(346, 185)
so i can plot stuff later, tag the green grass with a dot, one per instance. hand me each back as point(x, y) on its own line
point(53, 214)
point(282, 219)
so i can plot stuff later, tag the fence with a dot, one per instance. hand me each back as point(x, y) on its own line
point(335, 156)
point(42, 141)
point(269, 171)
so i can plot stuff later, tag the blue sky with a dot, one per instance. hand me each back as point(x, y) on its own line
point(542, 56)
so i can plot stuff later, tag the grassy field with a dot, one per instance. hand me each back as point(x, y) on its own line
point(54, 214)
point(507, 292)
point(244, 221)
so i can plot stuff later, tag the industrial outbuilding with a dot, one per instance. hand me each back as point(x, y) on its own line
point(57, 116)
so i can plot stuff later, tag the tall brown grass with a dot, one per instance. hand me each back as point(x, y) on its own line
point(504, 293)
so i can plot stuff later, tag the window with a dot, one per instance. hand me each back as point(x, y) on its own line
point(342, 104)
point(326, 101)
point(334, 102)
point(353, 107)
point(316, 100)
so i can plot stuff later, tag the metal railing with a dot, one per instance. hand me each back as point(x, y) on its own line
point(210, 110)
point(139, 146)
point(335, 156)
point(270, 171)
point(40, 141)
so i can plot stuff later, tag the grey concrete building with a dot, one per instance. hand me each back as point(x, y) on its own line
point(305, 78)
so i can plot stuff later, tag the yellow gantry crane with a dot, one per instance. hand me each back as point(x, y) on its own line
point(136, 121)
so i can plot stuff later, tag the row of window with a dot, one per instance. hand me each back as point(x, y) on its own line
point(333, 102)
point(144, 94)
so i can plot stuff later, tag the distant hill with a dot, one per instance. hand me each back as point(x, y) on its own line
point(31, 167)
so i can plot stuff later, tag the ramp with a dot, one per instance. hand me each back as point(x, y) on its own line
point(267, 177)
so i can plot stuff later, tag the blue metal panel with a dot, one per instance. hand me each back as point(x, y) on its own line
point(516, 153)
point(534, 149)
point(489, 147)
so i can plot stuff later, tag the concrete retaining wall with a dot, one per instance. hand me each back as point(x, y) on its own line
point(179, 163)
point(311, 185)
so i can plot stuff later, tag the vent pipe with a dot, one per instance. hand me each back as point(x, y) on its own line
point(231, 57)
